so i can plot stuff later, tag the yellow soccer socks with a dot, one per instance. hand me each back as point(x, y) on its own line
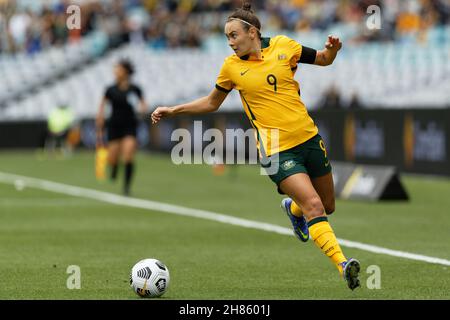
point(324, 237)
point(295, 209)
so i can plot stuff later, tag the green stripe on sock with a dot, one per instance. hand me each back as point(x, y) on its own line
point(316, 220)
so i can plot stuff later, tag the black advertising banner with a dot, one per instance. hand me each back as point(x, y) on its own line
point(416, 141)
point(412, 140)
point(372, 137)
point(331, 126)
point(22, 134)
point(426, 141)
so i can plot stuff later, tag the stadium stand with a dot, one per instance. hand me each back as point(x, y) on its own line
point(178, 48)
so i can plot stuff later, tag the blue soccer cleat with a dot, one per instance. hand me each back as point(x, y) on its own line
point(300, 226)
point(350, 271)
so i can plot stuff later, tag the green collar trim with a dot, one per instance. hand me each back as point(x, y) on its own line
point(265, 42)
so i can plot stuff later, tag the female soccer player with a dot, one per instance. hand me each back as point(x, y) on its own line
point(121, 128)
point(262, 70)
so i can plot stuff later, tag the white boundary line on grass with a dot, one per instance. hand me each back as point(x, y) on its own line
point(183, 211)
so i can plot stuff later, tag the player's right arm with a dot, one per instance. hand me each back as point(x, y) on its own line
point(207, 104)
point(100, 119)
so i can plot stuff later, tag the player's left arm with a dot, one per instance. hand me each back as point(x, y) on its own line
point(142, 107)
point(326, 56)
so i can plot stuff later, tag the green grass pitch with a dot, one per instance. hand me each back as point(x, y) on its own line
point(42, 233)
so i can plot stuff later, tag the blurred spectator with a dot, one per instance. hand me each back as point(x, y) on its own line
point(331, 99)
point(59, 122)
point(183, 23)
point(33, 26)
point(355, 102)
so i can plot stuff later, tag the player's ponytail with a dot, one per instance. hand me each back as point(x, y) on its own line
point(247, 17)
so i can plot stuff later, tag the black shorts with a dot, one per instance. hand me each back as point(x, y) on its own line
point(116, 132)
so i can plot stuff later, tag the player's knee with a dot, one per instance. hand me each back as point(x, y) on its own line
point(313, 208)
point(128, 157)
point(113, 160)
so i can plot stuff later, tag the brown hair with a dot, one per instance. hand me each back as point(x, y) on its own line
point(127, 65)
point(246, 14)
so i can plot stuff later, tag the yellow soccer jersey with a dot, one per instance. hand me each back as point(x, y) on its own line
point(270, 95)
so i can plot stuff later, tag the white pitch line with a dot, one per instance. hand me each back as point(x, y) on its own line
point(36, 202)
point(183, 211)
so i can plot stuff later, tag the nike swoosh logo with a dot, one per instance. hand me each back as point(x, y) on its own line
point(327, 164)
point(242, 73)
point(304, 236)
point(324, 244)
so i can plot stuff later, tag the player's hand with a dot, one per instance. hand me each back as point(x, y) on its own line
point(159, 113)
point(333, 43)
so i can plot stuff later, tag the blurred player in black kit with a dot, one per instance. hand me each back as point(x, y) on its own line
point(124, 98)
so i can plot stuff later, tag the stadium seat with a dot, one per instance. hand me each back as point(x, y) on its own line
point(381, 73)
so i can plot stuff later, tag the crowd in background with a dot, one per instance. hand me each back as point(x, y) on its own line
point(31, 26)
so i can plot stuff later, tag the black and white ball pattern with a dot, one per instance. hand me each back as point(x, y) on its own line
point(149, 278)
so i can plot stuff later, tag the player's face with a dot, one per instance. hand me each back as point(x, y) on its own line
point(239, 39)
point(120, 73)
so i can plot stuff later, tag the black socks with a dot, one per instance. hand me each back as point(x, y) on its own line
point(114, 168)
point(129, 168)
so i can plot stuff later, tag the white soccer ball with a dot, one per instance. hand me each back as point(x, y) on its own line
point(149, 278)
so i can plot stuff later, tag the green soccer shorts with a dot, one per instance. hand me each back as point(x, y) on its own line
point(309, 157)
